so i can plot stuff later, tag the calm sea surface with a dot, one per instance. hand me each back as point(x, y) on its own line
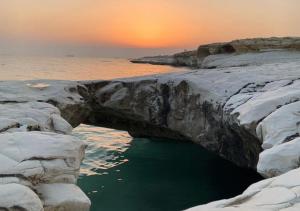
point(122, 173)
point(74, 68)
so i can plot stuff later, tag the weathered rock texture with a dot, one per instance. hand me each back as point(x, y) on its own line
point(39, 161)
point(218, 108)
point(242, 105)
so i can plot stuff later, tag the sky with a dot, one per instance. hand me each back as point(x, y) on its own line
point(137, 27)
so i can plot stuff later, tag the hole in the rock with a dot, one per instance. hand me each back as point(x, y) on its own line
point(121, 173)
point(227, 49)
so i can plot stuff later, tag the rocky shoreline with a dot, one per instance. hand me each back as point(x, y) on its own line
point(204, 56)
point(242, 104)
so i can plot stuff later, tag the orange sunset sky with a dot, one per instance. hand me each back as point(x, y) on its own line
point(145, 24)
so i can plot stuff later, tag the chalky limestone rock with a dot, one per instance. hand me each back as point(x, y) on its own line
point(40, 162)
point(60, 196)
point(31, 116)
point(241, 104)
point(67, 96)
point(40, 157)
point(18, 197)
point(218, 108)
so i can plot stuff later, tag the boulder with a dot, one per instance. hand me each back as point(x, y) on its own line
point(280, 126)
point(19, 197)
point(63, 197)
point(279, 159)
point(32, 116)
point(41, 157)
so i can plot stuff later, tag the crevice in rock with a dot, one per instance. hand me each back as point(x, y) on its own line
point(279, 106)
point(236, 93)
point(12, 101)
point(290, 138)
point(14, 175)
point(14, 208)
point(17, 125)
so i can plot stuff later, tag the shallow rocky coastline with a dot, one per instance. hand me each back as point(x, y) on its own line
point(243, 104)
point(205, 54)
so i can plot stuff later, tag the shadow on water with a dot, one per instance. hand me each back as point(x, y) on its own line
point(165, 175)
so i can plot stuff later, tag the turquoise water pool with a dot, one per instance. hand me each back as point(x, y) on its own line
point(121, 173)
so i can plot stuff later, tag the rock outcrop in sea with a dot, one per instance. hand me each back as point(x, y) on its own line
point(242, 103)
point(205, 55)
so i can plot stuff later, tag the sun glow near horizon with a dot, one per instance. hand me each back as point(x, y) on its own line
point(147, 24)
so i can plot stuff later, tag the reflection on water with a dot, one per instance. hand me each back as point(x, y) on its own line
point(105, 148)
point(74, 68)
point(154, 175)
point(39, 86)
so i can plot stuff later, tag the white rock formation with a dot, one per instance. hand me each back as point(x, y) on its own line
point(264, 102)
point(40, 160)
point(280, 193)
point(287, 119)
point(65, 95)
point(243, 106)
point(63, 197)
point(32, 116)
point(40, 156)
point(19, 197)
point(62, 92)
point(248, 59)
point(279, 159)
point(35, 153)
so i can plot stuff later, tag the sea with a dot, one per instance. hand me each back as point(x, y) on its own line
point(74, 68)
point(122, 173)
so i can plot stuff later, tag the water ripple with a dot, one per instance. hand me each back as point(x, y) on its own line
point(105, 148)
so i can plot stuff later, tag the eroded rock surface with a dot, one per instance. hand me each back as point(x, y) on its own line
point(37, 156)
point(218, 108)
point(242, 105)
point(33, 161)
point(32, 116)
point(41, 157)
point(63, 197)
point(19, 197)
point(67, 96)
